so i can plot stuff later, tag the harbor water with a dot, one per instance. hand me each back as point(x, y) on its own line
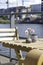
point(21, 30)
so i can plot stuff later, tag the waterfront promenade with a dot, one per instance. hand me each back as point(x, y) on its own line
point(6, 61)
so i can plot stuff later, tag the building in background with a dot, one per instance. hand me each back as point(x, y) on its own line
point(36, 7)
point(32, 8)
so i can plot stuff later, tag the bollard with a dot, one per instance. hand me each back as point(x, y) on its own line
point(34, 57)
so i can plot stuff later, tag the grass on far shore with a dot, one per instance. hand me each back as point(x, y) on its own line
point(2, 21)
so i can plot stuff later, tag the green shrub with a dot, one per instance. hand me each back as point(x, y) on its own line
point(4, 17)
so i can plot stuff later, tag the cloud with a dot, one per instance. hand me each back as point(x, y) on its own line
point(13, 3)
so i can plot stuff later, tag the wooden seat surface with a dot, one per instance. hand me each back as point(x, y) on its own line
point(22, 45)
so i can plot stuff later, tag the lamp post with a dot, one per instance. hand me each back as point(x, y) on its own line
point(7, 4)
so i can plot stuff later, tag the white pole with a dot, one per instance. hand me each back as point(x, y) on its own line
point(12, 20)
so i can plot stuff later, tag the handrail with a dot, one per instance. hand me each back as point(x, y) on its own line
point(21, 13)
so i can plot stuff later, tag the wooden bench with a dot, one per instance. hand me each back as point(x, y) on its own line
point(8, 34)
point(34, 49)
point(8, 40)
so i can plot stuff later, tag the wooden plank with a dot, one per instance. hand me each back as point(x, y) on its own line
point(7, 34)
point(7, 29)
point(6, 38)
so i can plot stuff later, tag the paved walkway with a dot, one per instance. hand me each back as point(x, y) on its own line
point(6, 61)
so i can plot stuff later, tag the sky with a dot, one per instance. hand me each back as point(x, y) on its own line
point(14, 3)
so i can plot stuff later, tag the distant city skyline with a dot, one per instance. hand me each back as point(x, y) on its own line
point(14, 3)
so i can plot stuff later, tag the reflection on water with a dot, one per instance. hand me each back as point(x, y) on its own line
point(21, 29)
